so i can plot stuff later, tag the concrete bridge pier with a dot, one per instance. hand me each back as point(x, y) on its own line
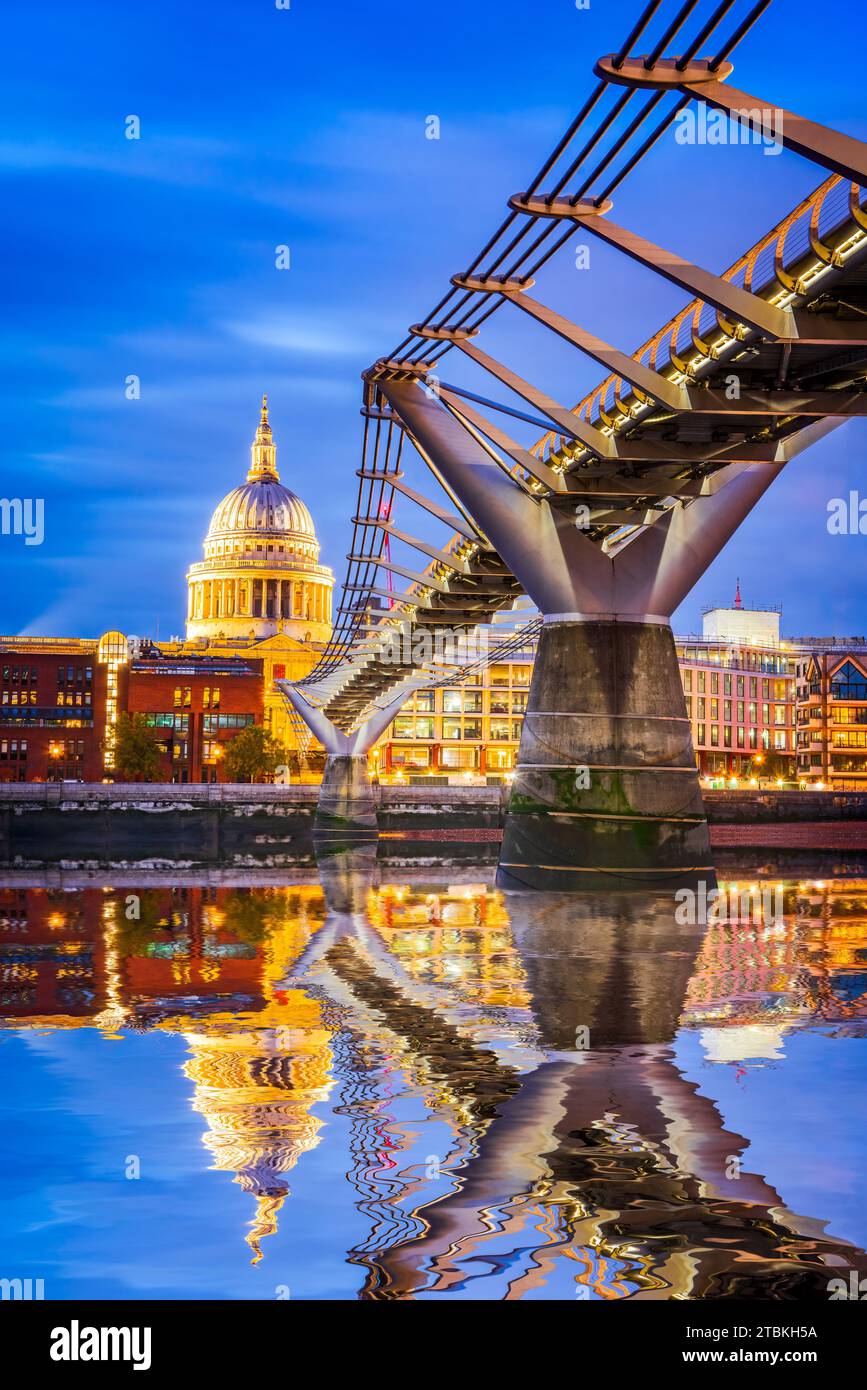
point(347, 805)
point(606, 791)
point(346, 812)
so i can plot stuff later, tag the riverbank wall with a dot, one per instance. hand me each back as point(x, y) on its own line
point(96, 823)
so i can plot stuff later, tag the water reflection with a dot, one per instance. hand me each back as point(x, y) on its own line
point(504, 1088)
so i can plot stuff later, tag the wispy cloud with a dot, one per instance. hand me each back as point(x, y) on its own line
point(309, 335)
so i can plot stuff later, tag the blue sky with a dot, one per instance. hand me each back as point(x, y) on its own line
point(306, 127)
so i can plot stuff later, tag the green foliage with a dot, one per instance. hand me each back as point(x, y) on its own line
point(138, 756)
point(253, 756)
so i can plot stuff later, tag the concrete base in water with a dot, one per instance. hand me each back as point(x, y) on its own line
point(347, 805)
point(606, 792)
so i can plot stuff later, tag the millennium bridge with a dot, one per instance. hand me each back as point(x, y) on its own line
point(606, 522)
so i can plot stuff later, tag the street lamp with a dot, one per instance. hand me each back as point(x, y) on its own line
point(55, 752)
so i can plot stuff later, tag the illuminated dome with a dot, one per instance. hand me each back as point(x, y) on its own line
point(261, 573)
point(262, 506)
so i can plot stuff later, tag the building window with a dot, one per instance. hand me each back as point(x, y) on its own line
point(467, 758)
point(410, 757)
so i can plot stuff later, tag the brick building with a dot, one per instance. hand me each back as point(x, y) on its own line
point(196, 706)
point(52, 710)
point(60, 700)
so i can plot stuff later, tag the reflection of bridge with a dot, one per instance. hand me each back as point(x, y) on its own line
point(658, 466)
point(530, 1165)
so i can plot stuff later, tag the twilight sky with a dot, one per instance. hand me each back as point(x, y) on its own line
point(306, 127)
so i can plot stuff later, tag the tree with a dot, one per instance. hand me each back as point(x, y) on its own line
point(137, 757)
point(253, 755)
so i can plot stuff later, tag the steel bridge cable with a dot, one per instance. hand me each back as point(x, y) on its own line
point(642, 151)
point(418, 352)
point(673, 28)
point(740, 32)
point(635, 158)
point(704, 33)
point(640, 26)
point(676, 24)
point(562, 145)
point(435, 355)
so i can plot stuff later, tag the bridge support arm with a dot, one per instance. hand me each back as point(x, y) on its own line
point(841, 153)
point(346, 812)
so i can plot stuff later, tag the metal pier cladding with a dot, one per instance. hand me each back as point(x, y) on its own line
point(607, 521)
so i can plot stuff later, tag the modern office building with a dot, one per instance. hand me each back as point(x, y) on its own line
point(762, 708)
point(739, 683)
point(469, 730)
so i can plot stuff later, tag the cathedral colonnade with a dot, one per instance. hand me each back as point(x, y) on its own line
point(265, 596)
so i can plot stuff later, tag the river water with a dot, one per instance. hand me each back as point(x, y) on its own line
point(366, 1084)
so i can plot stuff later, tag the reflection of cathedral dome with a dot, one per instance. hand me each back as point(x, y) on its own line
point(256, 1091)
point(261, 569)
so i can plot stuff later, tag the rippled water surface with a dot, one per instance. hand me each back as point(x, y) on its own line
point(422, 1088)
